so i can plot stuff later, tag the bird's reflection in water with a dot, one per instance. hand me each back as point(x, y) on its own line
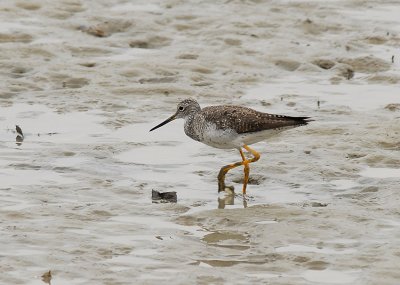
point(19, 140)
point(229, 199)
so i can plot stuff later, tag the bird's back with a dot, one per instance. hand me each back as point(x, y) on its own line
point(246, 120)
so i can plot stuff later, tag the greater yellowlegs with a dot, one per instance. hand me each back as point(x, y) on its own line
point(231, 127)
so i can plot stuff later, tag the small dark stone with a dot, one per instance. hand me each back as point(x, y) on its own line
point(139, 44)
point(163, 197)
point(318, 204)
point(88, 64)
point(393, 107)
point(19, 130)
point(324, 63)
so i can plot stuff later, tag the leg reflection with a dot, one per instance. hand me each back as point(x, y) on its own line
point(229, 199)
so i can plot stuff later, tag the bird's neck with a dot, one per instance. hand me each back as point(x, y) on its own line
point(190, 126)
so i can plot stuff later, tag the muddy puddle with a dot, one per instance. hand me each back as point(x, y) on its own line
point(85, 82)
point(75, 191)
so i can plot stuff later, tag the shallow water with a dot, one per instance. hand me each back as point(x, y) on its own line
point(86, 80)
point(331, 276)
point(375, 172)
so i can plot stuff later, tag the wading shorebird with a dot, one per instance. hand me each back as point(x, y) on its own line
point(231, 127)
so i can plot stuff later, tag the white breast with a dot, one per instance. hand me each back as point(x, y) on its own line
point(225, 139)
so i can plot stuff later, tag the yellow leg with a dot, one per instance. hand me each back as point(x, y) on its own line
point(222, 173)
point(256, 155)
point(246, 171)
point(246, 162)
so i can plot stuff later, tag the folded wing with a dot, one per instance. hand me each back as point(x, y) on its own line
point(246, 120)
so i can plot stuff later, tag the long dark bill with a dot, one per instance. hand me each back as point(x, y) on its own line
point(165, 122)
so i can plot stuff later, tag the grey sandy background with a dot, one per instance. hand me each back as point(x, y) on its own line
point(86, 80)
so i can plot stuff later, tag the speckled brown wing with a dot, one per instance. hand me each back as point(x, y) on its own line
point(246, 120)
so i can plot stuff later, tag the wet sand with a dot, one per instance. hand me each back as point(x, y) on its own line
point(86, 80)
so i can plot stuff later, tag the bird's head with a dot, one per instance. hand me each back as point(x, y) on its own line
point(184, 109)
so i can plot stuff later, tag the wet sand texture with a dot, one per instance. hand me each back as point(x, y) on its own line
point(86, 80)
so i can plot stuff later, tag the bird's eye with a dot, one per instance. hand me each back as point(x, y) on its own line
point(181, 108)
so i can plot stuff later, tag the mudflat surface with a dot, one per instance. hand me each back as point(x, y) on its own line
point(86, 80)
